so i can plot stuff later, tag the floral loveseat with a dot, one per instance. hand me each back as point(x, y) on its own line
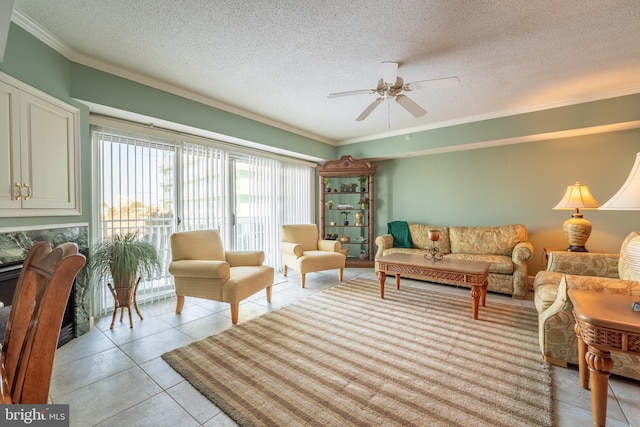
point(612, 273)
point(506, 247)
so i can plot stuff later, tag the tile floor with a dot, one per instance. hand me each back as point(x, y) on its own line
point(116, 377)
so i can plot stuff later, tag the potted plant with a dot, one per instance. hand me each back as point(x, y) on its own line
point(363, 181)
point(327, 182)
point(330, 204)
point(124, 257)
point(346, 217)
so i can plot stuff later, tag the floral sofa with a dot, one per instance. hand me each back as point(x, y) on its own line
point(599, 272)
point(506, 247)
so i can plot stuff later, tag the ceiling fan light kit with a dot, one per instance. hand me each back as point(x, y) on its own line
point(390, 86)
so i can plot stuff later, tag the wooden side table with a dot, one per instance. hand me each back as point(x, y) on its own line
point(604, 322)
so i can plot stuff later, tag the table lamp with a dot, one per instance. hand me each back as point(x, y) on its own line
point(577, 228)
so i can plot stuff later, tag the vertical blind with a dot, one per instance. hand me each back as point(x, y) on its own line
point(201, 201)
point(155, 186)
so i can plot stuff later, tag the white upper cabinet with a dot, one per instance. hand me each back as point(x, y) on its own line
point(39, 153)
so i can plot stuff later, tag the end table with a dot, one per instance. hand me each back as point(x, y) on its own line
point(604, 322)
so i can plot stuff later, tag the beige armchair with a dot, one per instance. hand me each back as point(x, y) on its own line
point(303, 251)
point(203, 269)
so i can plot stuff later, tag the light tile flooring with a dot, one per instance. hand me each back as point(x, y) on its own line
point(116, 377)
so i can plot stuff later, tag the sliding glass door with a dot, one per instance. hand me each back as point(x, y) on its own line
point(155, 186)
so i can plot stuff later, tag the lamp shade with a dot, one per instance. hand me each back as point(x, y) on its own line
point(577, 197)
point(628, 196)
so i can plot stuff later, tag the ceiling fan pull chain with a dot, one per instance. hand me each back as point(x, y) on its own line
point(388, 114)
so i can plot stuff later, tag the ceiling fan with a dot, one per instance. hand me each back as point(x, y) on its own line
point(390, 86)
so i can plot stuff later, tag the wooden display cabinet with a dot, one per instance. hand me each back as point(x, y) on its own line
point(349, 184)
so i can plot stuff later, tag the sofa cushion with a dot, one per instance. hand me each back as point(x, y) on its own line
point(412, 251)
point(499, 263)
point(487, 240)
point(629, 263)
point(420, 237)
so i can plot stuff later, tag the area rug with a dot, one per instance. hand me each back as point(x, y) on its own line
point(345, 357)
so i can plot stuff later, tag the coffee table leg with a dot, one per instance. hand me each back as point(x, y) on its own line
point(397, 280)
point(476, 293)
point(381, 277)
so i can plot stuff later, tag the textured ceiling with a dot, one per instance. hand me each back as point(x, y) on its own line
point(278, 60)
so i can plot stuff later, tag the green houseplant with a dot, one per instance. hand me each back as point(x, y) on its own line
point(363, 182)
point(124, 257)
point(327, 183)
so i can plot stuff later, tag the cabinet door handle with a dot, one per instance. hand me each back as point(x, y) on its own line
point(25, 185)
point(18, 193)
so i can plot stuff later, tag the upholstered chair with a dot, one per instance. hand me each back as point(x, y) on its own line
point(598, 272)
point(303, 251)
point(203, 269)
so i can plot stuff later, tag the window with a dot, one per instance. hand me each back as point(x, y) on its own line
point(154, 186)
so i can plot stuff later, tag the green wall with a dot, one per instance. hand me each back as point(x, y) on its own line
point(102, 88)
point(532, 126)
point(517, 183)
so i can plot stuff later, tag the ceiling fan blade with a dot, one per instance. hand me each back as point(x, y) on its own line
point(351, 92)
point(411, 106)
point(389, 72)
point(369, 109)
point(434, 83)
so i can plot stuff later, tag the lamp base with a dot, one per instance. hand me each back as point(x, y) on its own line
point(577, 230)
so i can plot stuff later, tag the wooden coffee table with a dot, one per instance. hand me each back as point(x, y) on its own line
point(604, 322)
point(455, 271)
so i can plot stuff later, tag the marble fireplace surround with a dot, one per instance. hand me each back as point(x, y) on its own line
point(15, 243)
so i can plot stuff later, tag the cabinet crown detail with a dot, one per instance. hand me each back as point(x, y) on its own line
point(349, 165)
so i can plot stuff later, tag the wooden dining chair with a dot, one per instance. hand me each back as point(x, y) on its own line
point(44, 285)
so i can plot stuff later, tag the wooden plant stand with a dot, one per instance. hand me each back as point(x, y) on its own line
point(124, 297)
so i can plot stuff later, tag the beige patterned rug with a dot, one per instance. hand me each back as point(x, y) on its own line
point(344, 357)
